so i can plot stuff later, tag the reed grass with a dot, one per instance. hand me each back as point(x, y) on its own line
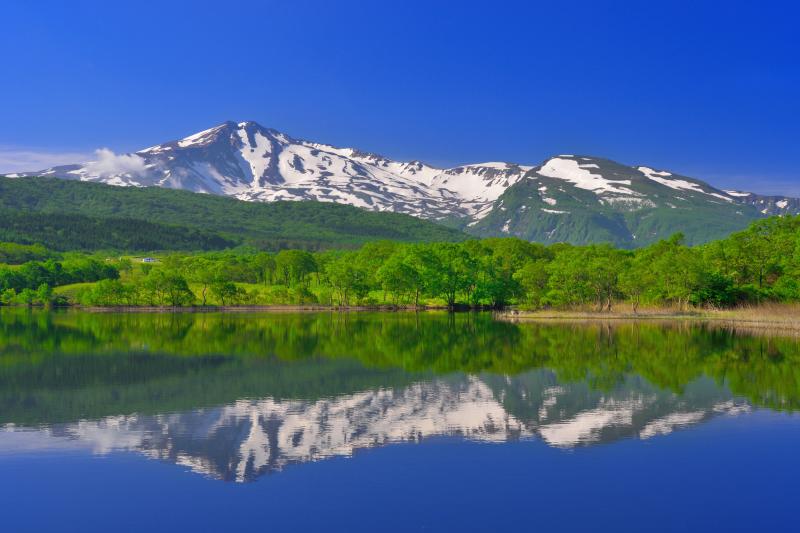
point(781, 318)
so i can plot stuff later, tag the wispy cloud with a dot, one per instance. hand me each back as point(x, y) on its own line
point(13, 159)
point(107, 163)
point(104, 162)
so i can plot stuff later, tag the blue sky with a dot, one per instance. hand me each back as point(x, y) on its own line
point(708, 89)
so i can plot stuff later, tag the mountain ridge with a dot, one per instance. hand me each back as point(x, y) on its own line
point(571, 198)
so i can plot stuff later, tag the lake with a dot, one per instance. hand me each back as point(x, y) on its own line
point(393, 422)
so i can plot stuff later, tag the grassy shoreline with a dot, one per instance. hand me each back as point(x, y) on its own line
point(784, 317)
point(785, 314)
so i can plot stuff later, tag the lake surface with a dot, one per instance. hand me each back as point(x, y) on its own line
point(392, 422)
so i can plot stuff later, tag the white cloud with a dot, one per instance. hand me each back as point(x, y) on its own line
point(108, 163)
point(103, 163)
point(30, 160)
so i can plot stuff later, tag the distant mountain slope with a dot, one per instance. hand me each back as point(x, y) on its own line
point(305, 224)
point(768, 205)
point(577, 199)
point(581, 199)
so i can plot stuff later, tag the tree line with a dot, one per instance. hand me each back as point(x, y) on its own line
point(759, 264)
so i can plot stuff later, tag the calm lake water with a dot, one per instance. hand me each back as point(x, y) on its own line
point(392, 422)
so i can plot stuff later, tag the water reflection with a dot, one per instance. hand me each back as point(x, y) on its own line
point(237, 396)
point(247, 438)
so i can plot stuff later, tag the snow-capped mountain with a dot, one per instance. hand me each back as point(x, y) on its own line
point(566, 198)
point(582, 199)
point(250, 162)
point(251, 437)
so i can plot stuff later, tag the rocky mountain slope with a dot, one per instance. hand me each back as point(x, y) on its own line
point(577, 199)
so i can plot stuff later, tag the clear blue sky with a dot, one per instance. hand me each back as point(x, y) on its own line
point(711, 89)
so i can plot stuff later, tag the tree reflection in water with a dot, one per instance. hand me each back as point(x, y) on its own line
point(238, 395)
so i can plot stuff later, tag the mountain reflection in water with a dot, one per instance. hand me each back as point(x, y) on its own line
point(235, 396)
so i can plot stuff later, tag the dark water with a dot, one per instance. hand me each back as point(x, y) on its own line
point(376, 422)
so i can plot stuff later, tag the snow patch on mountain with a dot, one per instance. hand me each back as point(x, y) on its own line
point(678, 184)
point(481, 182)
point(255, 151)
point(572, 171)
point(199, 138)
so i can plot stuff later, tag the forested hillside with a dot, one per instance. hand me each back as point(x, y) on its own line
point(757, 265)
point(151, 218)
point(63, 232)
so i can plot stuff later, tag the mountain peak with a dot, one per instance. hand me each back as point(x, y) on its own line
point(569, 197)
point(252, 125)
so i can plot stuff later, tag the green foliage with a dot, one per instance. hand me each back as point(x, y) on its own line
point(399, 277)
point(294, 266)
point(110, 292)
point(348, 279)
point(31, 283)
point(227, 292)
point(590, 274)
point(166, 287)
point(448, 270)
point(759, 264)
point(12, 253)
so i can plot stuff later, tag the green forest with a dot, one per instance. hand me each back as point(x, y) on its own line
point(757, 265)
point(69, 215)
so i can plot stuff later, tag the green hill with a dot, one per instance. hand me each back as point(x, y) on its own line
point(73, 215)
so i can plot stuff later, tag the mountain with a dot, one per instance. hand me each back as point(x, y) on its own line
point(72, 215)
point(577, 199)
point(583, 199)
point(250, 162)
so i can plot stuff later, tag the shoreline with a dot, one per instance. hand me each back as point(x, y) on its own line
point(783, 318)
point(747, 318)
point(232, 308)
